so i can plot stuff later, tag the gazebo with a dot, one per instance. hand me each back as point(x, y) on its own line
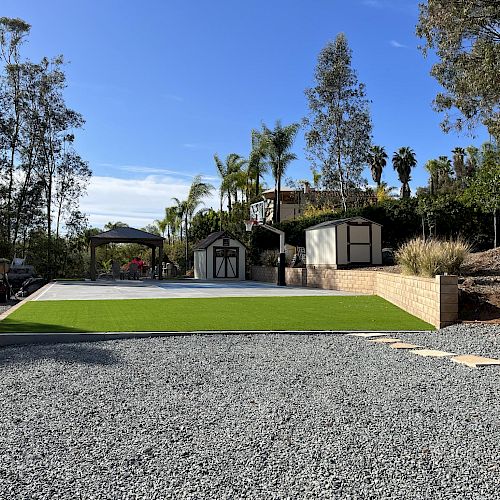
point(127, 235)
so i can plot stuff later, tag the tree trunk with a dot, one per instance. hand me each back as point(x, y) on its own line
point(49, 230)
point(187, 247)
point(220, 217)
point(257, 182)
point(341, 181)
point(278, 213)
point(275, 203)
point(13, 145)
point(496, 243)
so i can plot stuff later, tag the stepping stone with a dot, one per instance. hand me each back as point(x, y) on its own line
point(384, 341)
point(475, 361)
point(366, 335)
point(404, 345)
point(433, 353)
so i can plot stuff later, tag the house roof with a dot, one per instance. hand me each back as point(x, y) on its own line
point(127, 235)
point(338, 222)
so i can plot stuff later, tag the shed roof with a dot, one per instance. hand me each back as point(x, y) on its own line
point(338, 222)
point(212, 238)
point(127, 235)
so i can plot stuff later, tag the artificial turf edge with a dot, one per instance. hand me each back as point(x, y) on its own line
point(367, 313)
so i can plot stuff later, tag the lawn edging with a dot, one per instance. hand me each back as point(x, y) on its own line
point(34, 295)
point(14, 339)
point(434, 300)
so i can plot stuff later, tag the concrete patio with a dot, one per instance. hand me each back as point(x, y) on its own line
point(149, 289)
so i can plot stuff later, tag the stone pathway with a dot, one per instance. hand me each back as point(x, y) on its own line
point(472, 361)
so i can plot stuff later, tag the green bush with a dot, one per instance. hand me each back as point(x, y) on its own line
point(432, 257)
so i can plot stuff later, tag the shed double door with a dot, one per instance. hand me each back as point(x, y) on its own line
point(226, 262)
point(359, 243)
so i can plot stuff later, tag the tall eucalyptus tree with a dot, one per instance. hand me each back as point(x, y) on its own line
point(339, 126)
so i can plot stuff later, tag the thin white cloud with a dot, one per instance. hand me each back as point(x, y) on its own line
point(398, 5)
point(191, 145)
point(398, 45)
point(137, 202)
point(173, 97)
point(143, 169)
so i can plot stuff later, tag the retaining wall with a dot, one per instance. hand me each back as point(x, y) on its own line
point(293, 276)
point(434, 300)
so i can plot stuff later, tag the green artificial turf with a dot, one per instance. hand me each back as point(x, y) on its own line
point(228, 313)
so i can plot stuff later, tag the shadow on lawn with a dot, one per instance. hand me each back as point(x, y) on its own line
point(12, 326)
point(80, 354)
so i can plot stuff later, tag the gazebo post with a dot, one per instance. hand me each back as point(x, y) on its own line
point(92, 262)
point(153, 260)
point(160, 264)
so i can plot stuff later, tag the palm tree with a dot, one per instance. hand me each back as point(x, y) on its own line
point(432, 166)
point(377, 158)
point(459, 163)
point(161, 225)
point(189, 207)
point(113, 225)
point(403, 161)
point(256, 162)
point(171, 221)
point(228, 171)
point(277, 144)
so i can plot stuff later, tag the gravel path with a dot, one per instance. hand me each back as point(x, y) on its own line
point(248, 416)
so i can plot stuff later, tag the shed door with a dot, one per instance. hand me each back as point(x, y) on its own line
point(359, 243)
point(226, 262)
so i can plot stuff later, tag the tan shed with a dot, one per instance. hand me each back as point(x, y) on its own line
point(341, 243)
point(219, 256)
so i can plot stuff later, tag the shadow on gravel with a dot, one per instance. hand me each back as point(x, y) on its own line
point(64, 353)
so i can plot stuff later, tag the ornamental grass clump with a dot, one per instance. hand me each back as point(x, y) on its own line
point(432, 257)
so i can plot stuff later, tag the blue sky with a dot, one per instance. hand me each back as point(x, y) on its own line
point(163, 85)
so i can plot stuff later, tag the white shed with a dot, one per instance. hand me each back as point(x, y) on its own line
point(344, 242)
point(219, 256)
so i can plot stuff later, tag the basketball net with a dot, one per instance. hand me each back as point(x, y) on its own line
point(249, 224)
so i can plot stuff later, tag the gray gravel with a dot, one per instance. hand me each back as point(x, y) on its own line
point(248, 416)
point(462, 339)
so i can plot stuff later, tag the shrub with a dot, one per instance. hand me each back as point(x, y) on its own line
point(432, 257)
point(269, 258)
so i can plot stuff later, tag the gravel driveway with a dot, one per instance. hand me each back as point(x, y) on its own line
point(256, 416)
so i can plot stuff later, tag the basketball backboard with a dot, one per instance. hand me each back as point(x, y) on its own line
point(258, 212)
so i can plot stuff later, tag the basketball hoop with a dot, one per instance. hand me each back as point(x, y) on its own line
point(249, 224)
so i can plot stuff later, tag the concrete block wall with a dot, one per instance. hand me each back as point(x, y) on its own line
point(293, 276)
point(296, 276)
point(265, 274)
point(348, 280)
point(434, 300)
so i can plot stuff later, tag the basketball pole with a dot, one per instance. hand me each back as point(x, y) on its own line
point(281, 259)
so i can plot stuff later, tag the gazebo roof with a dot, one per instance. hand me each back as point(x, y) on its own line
point(127, 235)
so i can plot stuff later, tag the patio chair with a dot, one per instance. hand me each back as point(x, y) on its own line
point(115, 270)
point(133, 271)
